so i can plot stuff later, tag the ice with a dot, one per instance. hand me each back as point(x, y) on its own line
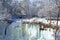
point(47, 35)
point(16, 31)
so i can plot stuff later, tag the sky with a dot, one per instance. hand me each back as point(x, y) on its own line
point(45, 1)
point(40, 0)
point(31, 0)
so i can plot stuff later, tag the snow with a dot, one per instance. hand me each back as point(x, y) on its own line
point(31, 31)
point(15, 31)
point(46, 34)
point(43, 20)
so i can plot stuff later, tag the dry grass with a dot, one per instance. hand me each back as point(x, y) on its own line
point(54, 19)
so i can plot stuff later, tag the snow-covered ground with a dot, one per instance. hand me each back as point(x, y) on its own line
point(30, 30)
point(43, 20)
point(47, 35)
point(19, 22)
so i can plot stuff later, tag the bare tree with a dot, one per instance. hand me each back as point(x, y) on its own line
point(26, 6)
point(58, 4)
